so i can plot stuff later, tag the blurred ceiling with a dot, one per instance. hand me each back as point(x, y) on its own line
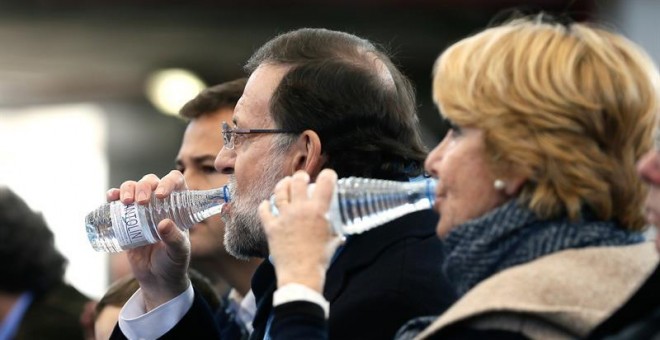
point(68, 51)
point(102, 51)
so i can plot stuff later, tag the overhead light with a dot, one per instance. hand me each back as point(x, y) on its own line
point(169, 89)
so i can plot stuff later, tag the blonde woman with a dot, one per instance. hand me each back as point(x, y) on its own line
point(539, 198)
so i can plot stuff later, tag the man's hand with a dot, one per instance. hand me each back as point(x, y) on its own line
point(160, 268)
point(300, 239)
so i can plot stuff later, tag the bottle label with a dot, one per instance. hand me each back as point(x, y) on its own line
point(131, 225)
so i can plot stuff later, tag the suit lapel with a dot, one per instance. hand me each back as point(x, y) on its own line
point(263, 285)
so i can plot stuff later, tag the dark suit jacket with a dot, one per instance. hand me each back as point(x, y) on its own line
point(638, 318)
point(55, 315)
point(380, 280)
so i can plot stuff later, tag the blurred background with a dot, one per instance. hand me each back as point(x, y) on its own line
point(85, 86)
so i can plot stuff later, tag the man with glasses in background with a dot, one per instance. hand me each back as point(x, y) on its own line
point(200, 145)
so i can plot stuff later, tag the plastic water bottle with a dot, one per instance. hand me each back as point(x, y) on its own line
point(114, 227)
point(361, 204)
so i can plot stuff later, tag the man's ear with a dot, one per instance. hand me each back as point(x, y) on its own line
point(307, 154)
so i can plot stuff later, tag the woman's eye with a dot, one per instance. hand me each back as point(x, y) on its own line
point(454, 129)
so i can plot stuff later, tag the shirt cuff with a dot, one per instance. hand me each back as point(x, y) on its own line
point(136, 323)
point(291, 292)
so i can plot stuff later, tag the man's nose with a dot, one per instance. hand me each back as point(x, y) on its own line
point(224, 161)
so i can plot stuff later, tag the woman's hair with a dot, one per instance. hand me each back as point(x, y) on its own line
point(570, 107)
point(121, 290)
point(117, 294)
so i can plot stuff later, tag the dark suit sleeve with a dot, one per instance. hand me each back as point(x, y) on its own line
point(198, 323)
point(375, 315)
point(299, 320)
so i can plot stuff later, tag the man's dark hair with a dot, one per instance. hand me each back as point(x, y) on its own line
point(28, 257)
point(352, 95)
point(216, 97)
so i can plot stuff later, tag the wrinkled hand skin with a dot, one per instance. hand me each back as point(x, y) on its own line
point(160, 268)
point(300, 239)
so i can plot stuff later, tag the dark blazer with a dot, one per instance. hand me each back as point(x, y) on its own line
point(638, 318)
point(379, 280)
point(55, 315)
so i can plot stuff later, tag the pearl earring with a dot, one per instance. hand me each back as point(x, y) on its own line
point(499, 184)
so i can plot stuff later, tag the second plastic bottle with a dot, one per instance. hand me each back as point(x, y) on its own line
point(361, 204)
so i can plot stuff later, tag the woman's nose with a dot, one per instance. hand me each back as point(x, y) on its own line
point(433, 157)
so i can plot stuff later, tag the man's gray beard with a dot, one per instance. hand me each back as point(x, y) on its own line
point(244, 235)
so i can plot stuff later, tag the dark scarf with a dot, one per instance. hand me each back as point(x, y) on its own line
point(512, 235)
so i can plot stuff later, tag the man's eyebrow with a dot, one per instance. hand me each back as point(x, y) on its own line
point(203, 158)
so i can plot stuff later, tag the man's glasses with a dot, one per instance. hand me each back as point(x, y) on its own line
point(229, 134)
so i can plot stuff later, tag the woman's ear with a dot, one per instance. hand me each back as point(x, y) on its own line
point(514, 185)
point(307, 154)
point(512, 178)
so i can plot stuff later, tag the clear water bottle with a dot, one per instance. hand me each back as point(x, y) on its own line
point(361, 204)
point(114, 227)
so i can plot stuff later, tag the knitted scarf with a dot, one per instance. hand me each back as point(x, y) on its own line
point(512, 235)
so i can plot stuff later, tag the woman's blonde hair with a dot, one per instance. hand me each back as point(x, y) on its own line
point(571, 107)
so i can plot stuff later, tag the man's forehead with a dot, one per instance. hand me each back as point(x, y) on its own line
point(250, 111)
point(253, 106)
